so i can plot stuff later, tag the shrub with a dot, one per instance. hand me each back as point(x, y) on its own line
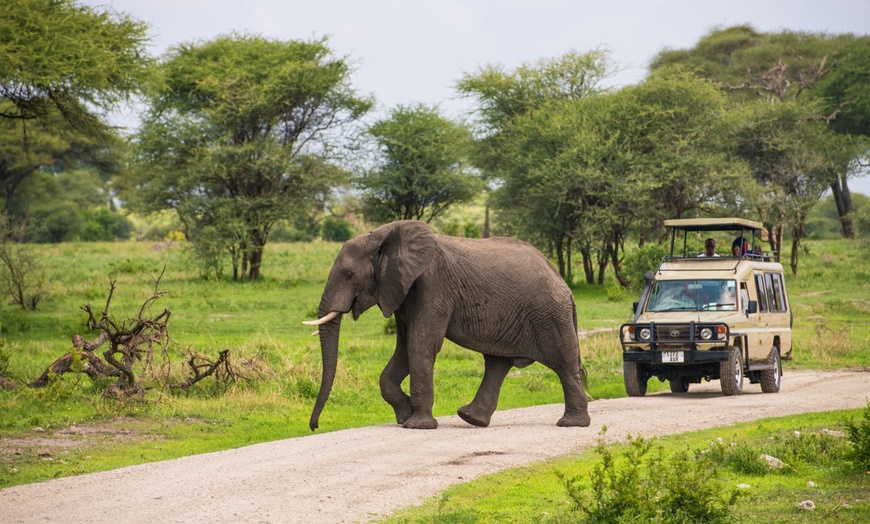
point(336, 230)
point(472, 230)
point(682, 487)
point(858, 433)
point(641, 260)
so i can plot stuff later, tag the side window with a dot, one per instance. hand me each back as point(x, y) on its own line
point(775, 291)
point(759, 289)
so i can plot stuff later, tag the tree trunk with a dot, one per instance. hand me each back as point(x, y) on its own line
point(798, 232)
point(843, 199)
point(613, 251)
point(588, 267)
point(602, 265)
point(560, 256)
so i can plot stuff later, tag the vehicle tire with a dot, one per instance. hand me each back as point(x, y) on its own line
point(679, 385)
point(771, 378)
point(731, 372)
point(635, 376)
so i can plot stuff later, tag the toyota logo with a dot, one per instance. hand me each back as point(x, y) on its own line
point(675, 333)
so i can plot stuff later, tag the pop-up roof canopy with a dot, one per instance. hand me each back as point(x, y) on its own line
point(713, 224)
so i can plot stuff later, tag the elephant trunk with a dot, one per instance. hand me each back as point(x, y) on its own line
point(329, 332)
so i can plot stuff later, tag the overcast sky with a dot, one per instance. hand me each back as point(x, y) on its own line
point(410, 51)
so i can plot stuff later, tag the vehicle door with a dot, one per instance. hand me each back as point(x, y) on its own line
point(778, 319)
point(761, 337)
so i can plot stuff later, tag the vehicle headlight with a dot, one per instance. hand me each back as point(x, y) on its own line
point(644, 333)
point(706, 333)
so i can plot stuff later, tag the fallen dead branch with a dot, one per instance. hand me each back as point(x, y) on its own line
point(201, 367)
point(131, 348)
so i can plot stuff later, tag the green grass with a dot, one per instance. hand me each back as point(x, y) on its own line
point(260, 323)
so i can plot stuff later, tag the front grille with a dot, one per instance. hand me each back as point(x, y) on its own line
point(673, 333)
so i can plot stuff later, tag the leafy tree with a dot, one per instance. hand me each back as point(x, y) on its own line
point(793, 158)
point(421, 169)
point(826, 72)
point(59, 57)
point(503, 98)
point(589, 172)
point(58, 177)
point(239, 136)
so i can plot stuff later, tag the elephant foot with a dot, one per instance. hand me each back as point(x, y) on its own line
point(574, 420)
point(420, 422)
point(403, 413)
point(475, 419)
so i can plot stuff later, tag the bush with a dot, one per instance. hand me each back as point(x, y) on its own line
point(641, 260)
point(336, 230)
point(683, 487)
point(859, 437)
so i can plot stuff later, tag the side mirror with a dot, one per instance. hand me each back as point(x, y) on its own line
point(634, 307)
point(753, 307)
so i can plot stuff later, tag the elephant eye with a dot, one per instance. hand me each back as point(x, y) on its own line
point(348, 275)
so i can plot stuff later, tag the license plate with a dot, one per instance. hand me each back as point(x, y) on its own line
point(672, 356)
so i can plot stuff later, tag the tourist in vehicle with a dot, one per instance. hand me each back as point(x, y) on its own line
point(739, 247)
point(709, 248)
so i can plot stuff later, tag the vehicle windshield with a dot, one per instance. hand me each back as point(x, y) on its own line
point(693, 295)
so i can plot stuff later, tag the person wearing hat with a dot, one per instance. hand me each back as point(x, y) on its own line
point(709, 248)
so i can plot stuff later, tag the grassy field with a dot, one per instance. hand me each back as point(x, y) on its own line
point(260, 323)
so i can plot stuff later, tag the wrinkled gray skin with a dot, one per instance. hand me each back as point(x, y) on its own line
point(498, 296)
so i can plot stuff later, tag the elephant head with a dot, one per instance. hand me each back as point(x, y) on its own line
point(374, 268)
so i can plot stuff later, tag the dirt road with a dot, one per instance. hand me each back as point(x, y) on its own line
point(362, 474)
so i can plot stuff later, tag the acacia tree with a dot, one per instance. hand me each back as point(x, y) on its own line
point(59, 57)
point(238, 137)
point(827, 73)
point(421, 166)
point(506, 152)
point(793, 157)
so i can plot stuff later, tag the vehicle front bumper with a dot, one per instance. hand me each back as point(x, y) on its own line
point(674, 336)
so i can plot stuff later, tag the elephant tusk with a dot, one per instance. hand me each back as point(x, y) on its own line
point(329, 316)
point(315, 333)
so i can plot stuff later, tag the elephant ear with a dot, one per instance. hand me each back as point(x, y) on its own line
point(407, 250)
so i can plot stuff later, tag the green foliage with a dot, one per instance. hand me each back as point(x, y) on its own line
point(390, 325)
point(58, 57)
point(336, 230)
point(641, 260)
point(229, 137)
point(680, 487)
point(859, 438)
point(421, 168)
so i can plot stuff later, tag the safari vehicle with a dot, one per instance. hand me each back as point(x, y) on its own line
point(724, 316)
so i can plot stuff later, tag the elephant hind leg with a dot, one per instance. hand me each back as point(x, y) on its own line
point(576, 401)
point(480, 410)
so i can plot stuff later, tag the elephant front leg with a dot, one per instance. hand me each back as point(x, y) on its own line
point(480, 410)
point(391, 381)
point(421, 357)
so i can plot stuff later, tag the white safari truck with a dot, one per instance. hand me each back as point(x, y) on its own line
point(710, 315)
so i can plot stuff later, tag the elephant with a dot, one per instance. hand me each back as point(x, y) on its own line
point(498, 296)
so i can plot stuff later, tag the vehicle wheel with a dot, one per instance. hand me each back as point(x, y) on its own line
point(635, 376)
point(679, 385)
point(731, 372)
point(771, 378)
